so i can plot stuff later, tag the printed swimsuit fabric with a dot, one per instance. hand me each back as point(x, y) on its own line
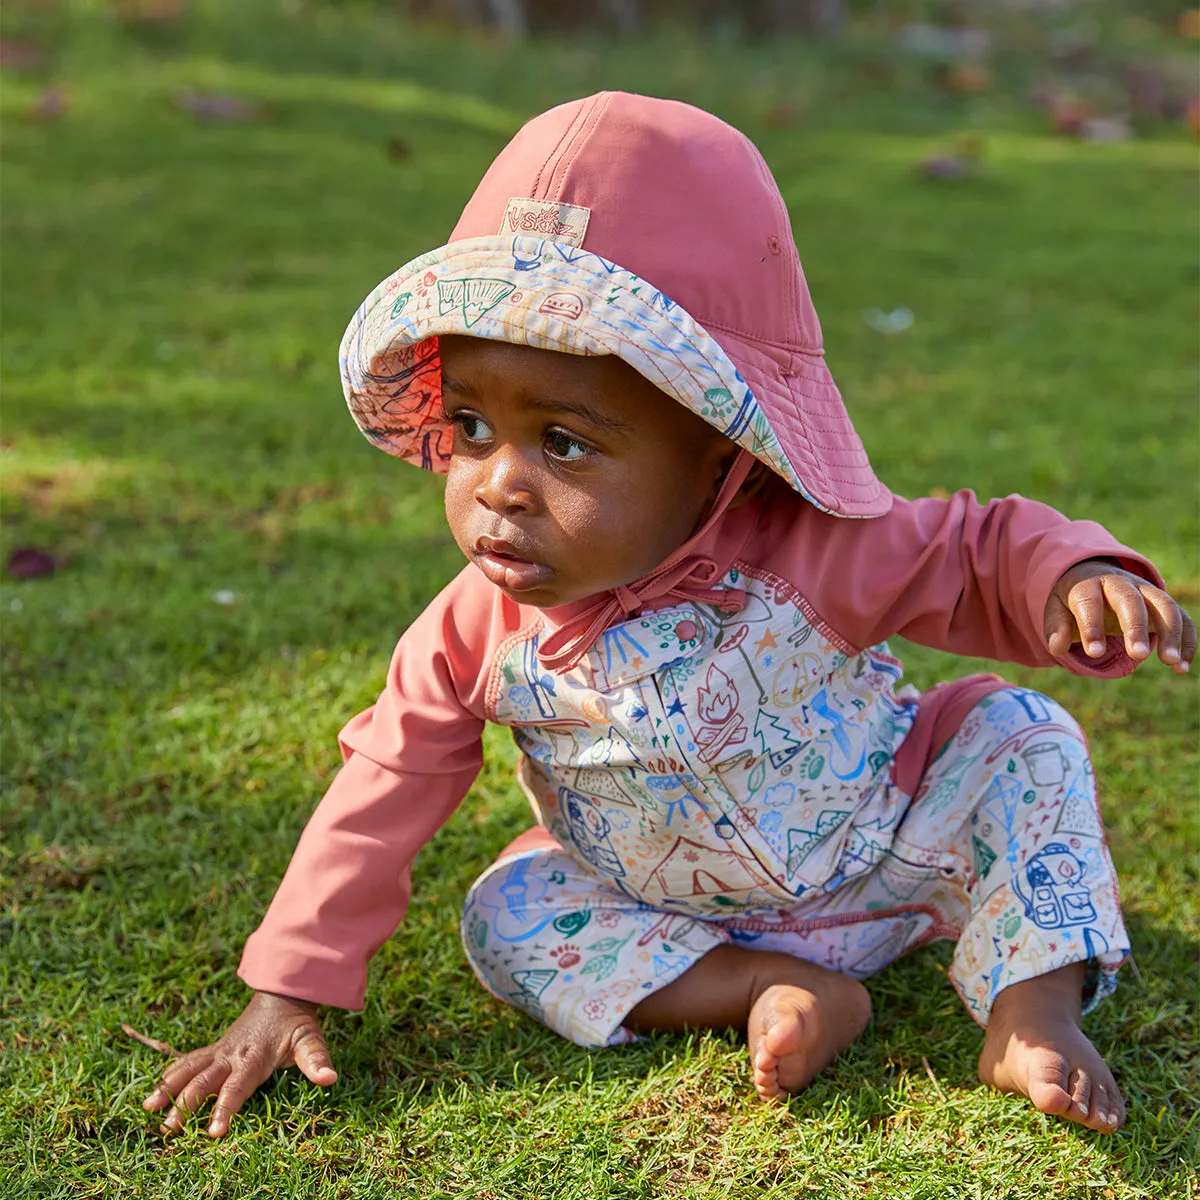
point(713, 776)
point(1000, 850)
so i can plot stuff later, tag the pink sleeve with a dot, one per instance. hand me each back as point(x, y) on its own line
point(409, 760)
point(955, 574)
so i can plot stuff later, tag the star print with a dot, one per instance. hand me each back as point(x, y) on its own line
point(766, 642)
point(676, 709)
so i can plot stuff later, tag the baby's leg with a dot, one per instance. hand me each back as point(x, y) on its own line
point(798, 1017)
point(596, 966)
point(1035, 1047)
point(1042, 934)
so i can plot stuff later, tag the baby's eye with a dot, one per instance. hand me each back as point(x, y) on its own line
point(474, 428)
point(563, 446)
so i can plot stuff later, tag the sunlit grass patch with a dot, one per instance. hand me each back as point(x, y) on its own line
point(235, 564)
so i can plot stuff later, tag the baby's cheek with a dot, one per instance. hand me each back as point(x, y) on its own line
point(458, 505)
point(577, 512)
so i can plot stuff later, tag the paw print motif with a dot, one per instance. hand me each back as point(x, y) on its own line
point(566, 955)
point(812, 765)
point(1010, 922)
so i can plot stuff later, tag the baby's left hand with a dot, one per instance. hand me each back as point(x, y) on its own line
point(1095, 598)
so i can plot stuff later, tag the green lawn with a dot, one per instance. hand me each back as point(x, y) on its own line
point(174, 293)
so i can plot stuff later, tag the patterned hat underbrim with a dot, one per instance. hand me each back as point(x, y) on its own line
point(534, 292)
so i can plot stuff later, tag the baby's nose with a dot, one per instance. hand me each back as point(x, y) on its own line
point(505, 485)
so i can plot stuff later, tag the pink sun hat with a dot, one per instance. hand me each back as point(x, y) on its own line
point(622, 224)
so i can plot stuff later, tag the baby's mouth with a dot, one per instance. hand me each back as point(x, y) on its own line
point(506, 566)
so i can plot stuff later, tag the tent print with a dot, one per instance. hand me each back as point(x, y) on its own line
point(601, 784)
point(1078, 813)
point(693, 869)
point(533, 983)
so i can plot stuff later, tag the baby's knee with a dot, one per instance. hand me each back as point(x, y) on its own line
point(1016, 708)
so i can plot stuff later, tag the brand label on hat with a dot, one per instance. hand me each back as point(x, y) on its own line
point(545, 218)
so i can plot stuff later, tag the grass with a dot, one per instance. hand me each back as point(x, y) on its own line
point(174, 292)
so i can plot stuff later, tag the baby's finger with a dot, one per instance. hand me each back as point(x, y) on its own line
point(1127, 602)
point(175, 1077)
point(237, 1089)
point(312, 1057)
point(1187, 653)
point(207, 1083)
point(1086, 602)
point(1057, 627)
point(1169, 620)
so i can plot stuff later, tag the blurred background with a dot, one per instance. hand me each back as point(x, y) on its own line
point(204, 567)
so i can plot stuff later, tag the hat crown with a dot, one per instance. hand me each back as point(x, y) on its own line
point(667, 191)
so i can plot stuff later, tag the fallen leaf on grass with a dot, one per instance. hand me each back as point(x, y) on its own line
point(397, 149)
point(964, 78)
point(154, 1044)
point(1068, 116)
point(781, 114)
point(20, 56)
point(947, 166)
point(960, 162)
point(216, 106)
point(51, 105)
point(28, 562)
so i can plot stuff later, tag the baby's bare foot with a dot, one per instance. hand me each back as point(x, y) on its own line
point(797, 1029)
point(1034, 1048)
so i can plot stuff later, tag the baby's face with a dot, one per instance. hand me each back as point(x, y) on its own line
point(569, 475)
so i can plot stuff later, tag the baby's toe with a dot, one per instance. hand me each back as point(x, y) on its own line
point(1107, 1111)
point(1081, 1096)
point(1052, 1090)
point(766, 1076)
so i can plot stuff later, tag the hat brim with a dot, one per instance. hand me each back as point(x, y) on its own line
point(534, 292)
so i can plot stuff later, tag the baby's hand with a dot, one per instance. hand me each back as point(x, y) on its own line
point(273, 1031)
point(1095, 598)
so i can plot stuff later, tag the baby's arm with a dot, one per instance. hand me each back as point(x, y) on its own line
point(1096, 598)
point(273, 1031)
point(979, 579)
point(344, 893)
point(409, 760)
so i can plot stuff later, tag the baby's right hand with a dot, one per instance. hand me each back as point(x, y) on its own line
point(273, 1031)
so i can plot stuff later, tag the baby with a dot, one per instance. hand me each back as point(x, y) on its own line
point(682, 572)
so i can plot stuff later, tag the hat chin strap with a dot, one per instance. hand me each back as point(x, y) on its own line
point(681, 575)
